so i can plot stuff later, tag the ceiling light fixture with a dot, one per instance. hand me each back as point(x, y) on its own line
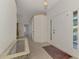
point(45, 3)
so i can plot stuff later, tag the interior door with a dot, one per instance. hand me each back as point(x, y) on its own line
point(62, 29)
point(63, 38)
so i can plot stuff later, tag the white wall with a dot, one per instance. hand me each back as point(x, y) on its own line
point(7, 23)
point(62, 15)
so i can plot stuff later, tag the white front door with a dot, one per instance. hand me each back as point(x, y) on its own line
point(41, 28)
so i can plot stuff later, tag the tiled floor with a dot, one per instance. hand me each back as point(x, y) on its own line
point(37, 52)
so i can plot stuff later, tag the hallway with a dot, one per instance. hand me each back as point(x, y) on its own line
point(47, 22)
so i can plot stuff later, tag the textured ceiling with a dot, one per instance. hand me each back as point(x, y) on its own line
point(27, 8)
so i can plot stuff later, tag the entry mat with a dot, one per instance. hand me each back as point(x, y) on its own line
point(56, 53)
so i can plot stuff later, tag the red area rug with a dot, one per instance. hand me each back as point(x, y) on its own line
point(56, 53)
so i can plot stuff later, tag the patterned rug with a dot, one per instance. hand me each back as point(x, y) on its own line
point(56, 53)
